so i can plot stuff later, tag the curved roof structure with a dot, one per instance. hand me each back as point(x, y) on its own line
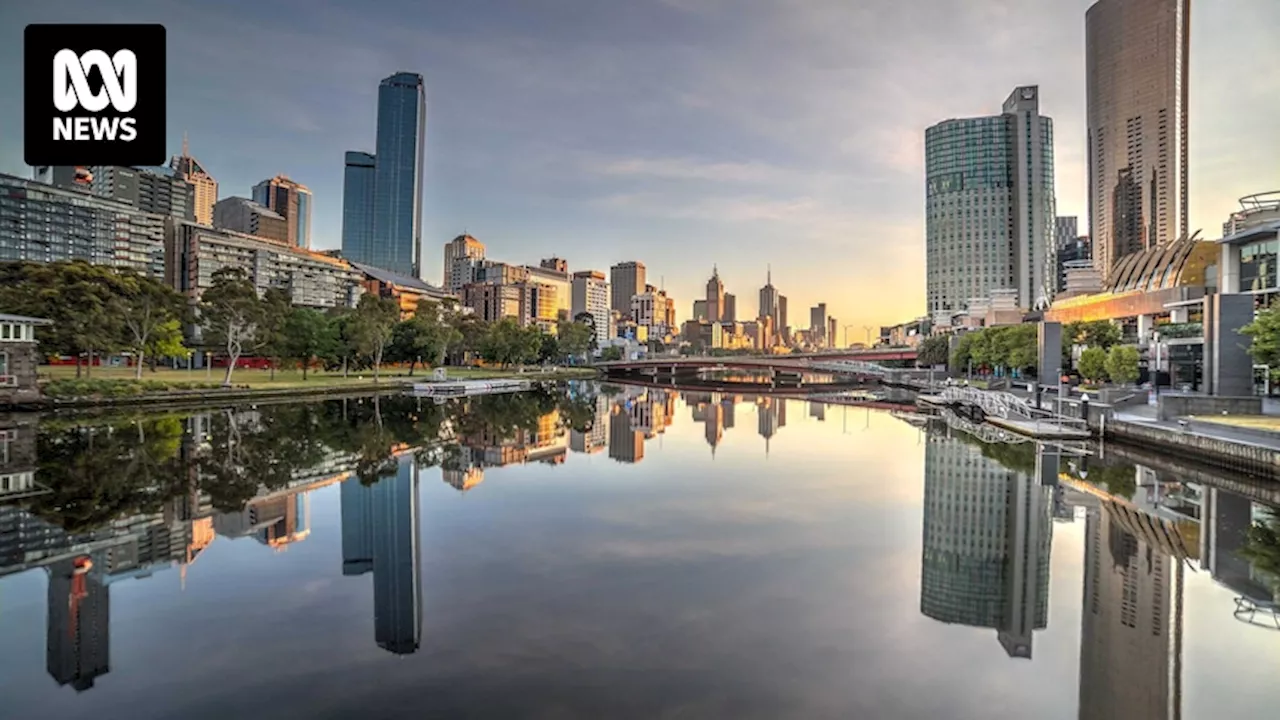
point(1178, 264)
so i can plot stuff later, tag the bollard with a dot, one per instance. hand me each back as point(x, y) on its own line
point(1084, 408)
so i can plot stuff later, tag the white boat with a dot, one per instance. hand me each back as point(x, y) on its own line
point(463, 388)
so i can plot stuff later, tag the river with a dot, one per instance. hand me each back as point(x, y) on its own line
point(618, 552)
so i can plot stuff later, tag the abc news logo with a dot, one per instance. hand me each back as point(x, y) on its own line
point(94, 94)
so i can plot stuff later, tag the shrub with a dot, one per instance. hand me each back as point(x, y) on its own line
point(67, 388)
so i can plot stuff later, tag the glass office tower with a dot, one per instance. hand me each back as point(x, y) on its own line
point(357, 207)
point(397, 202)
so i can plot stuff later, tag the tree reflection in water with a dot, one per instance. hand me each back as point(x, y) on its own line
point(99, 469)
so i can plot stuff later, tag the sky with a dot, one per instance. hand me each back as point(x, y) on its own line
point(687, 134)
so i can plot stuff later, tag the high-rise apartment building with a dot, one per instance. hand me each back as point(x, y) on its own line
point(397, 201)
point(990, 208)
point(652, 309)
point(781, 326)
point(1137, 76)
point(155, 190)
point(833, 333)
point(558, 290)
point(700, 310)
point(193, 253)
point(246, 216)
point(591, 296)
point(205, 188)
point(625, 280)
point(555, 263)
point(463, 247)
point(730, 311)
point(769, 299)
point(44, 223)
point(74, 177)
point(292, 201)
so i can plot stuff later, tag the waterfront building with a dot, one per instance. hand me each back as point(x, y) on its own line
point(1255, 211)
point(243, 215)
point(465, 248)
point(290, 200)
point(407, 292)
point(591, 296)
point(357, 205)
point(625, 280)
point(205, 188)
point(397, 201)
point(19, 361)
point(990, 208)
point(42, 223)
point(195, 252)
point(833, 333)
point(1137, 83)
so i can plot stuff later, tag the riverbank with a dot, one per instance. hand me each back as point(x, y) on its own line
point(117, 387)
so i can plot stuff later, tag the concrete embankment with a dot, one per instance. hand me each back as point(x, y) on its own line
point(1231, 453)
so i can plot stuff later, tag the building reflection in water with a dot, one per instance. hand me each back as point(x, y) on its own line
point(987, 534)
point(381, 534)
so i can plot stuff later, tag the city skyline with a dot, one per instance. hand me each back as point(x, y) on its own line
point(566, 174)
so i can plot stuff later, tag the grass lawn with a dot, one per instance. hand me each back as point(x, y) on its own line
point(261, 379)
point(1253, 422)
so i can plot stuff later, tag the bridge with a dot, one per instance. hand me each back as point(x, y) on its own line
point(781, 369)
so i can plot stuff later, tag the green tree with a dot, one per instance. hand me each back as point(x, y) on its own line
point(934, 351)
point(576, 338)
point(548, 349)
point(1093, 364)
point(277, 308)
point(308, 334)
point(374, 322)
point(167, 342)
point(423, 338)
point(1264, 333)
point(586, 318)
point(1122, 364)
point(611, 353)
point(231, 315)
point(1093, 333)
point(344, 347)
point(148, 308)
point(1262, 549)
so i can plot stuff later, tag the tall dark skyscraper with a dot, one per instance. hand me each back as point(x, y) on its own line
point(1137, 78)
point(381, 533)
point(79, 624)
point(392, 236)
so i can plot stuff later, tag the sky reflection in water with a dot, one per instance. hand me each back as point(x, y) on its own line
point(616, 553)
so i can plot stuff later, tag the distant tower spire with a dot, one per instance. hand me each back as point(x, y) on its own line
point(185, 148)
point(768, 274)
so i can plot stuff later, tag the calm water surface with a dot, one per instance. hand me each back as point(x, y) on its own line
point(618, 553)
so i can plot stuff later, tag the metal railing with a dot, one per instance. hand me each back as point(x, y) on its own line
point(847, 367)
point(1008, 406)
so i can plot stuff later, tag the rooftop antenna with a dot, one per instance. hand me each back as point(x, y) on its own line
point(768, 277)
point(185, 147)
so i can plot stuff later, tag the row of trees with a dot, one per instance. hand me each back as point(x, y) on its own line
point(1015, 348)
point(98, 310)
